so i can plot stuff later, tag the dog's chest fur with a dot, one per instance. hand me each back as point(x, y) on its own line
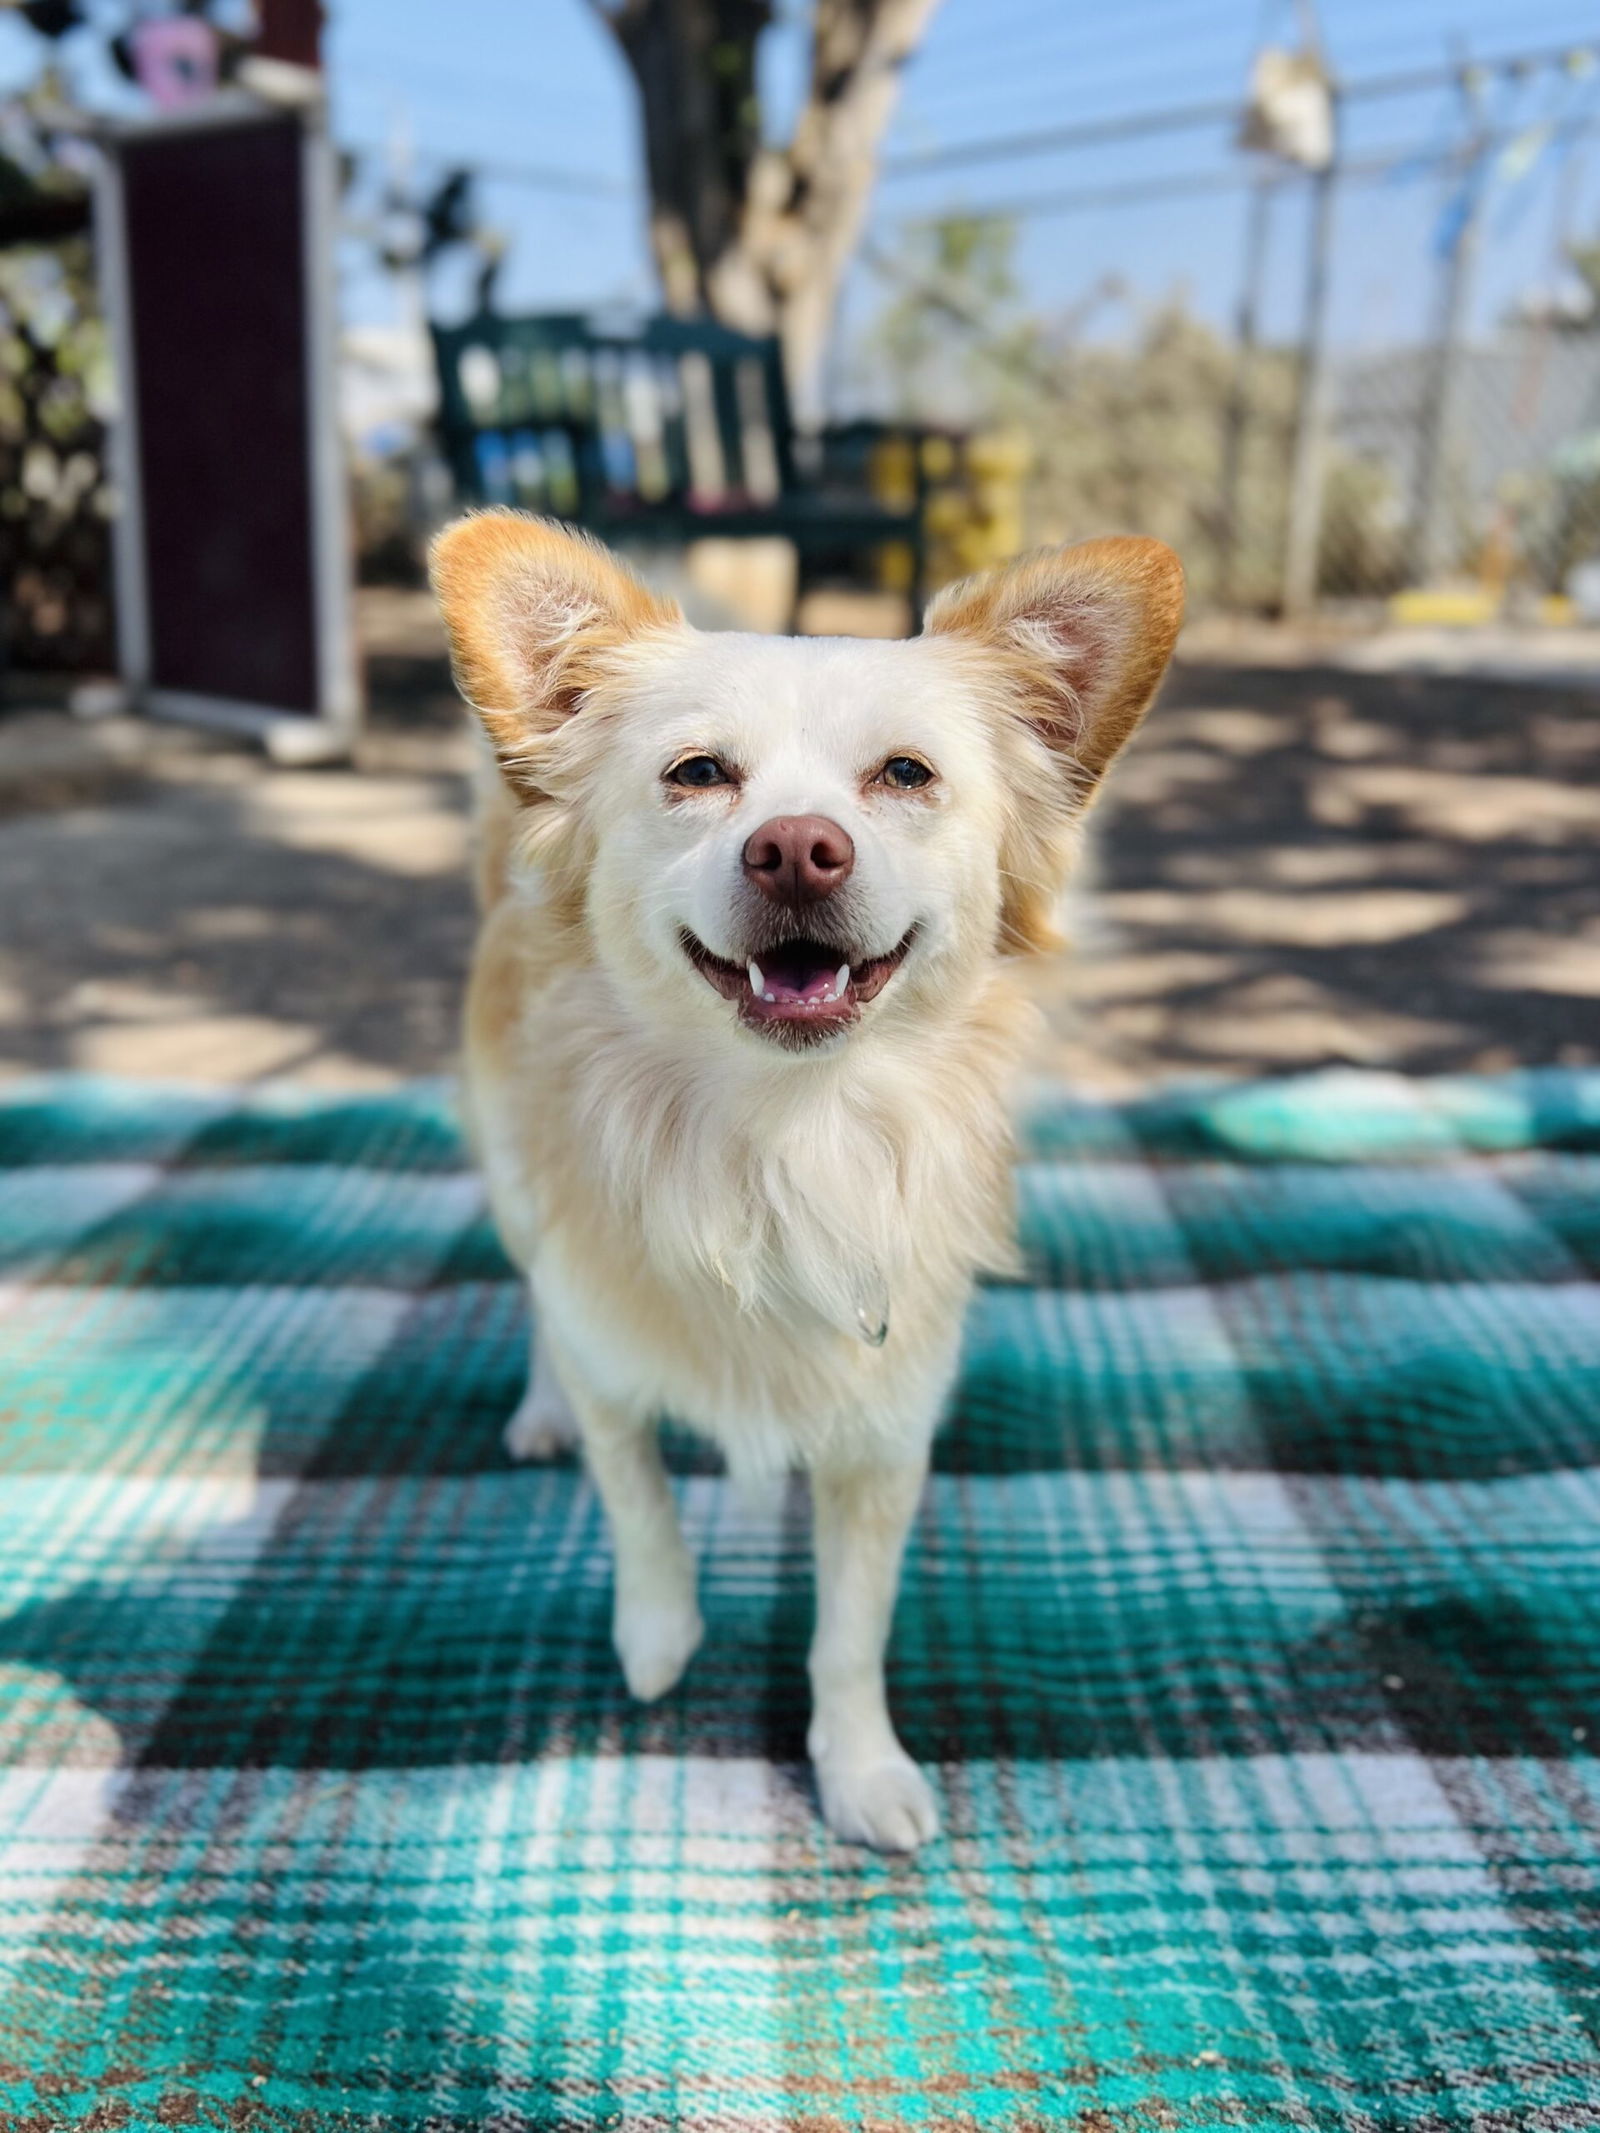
point(720, 1237)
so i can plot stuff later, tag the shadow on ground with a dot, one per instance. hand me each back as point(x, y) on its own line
point(1298, 868)
point(177, 908)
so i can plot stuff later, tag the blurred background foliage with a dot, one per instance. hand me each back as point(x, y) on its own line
point(1128, 429)
point(55, 393)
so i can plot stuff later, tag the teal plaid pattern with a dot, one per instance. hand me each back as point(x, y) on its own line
point(1250, 1634)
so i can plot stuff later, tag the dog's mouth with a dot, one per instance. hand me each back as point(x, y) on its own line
point(801, 987)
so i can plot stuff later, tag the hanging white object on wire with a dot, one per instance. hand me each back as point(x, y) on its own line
point(1289, 110)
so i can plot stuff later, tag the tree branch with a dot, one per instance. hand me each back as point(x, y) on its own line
point(859, 52)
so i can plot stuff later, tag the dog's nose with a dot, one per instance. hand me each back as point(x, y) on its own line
point(799, 859)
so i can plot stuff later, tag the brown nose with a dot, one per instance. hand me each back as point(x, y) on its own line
point(799, 859)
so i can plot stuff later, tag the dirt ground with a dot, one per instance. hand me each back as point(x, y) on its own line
point(1297, 865)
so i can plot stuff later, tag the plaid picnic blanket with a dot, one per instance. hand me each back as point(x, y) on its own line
point(1251, 1634)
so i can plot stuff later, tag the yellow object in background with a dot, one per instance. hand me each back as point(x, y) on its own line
point(975, 521)
point(892, 472)
point(972, 508)
point(1456, 607)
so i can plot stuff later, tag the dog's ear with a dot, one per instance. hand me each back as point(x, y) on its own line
point(532, 610)
point(1084, 635)
point(1078, 639)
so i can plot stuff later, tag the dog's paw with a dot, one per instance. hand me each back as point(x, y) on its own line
point(655, 1641)
point(888, 1804)
point(543, 1427)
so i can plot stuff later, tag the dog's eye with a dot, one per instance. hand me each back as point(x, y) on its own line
point(698, 771)
point(905, 773)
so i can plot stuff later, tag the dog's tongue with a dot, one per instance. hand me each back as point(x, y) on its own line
point(799, 985)
point(800, 975)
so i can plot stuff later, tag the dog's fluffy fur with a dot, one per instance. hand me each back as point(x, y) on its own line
point(721, 1205)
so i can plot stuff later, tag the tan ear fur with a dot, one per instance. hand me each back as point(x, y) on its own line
point(1085, 633)
point(532, 610)
point(1079, 639)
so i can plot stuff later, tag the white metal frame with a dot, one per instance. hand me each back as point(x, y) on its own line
point(289, 736)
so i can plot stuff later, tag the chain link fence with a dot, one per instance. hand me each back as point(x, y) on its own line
point(1480, 465)
point(1454, 417)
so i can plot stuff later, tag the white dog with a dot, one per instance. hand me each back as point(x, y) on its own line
point(743, 1016)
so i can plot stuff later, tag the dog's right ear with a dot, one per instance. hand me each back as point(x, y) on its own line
point(533, 610)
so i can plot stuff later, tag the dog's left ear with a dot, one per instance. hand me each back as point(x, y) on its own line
point(1077, 640)
point(1083, 634)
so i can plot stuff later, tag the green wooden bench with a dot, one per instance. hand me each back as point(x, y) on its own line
point(674, 431)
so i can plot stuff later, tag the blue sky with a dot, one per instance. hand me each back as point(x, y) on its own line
point(520, 82)
point(534, 81)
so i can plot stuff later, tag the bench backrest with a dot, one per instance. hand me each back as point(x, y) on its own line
point(559, 413)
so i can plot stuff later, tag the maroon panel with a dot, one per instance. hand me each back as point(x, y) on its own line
point(290, 29)
point(216, 270)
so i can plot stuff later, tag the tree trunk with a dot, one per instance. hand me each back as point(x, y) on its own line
point(760, 236)
point(694, 64)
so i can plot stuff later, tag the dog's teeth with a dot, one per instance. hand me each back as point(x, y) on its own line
point(841, 979)
point(758, 983)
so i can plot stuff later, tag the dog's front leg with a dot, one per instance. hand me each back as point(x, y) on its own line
point(655, 1622)
point(544, 1425)
point(872, 1792)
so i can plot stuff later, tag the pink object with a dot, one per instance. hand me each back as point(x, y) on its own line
point(175, 59)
